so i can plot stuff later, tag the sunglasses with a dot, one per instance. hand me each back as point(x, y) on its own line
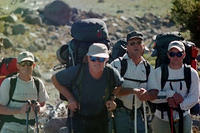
point(135, 43)
point(173, 54)
point(26, 63)
point(94, 59)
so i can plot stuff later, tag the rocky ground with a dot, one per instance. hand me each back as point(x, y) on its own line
point(43, 30)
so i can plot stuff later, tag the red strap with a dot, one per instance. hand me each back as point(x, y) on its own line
point(172, 122)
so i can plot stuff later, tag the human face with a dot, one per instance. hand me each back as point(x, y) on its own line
point(96, 64)
point(26, 67)
point(176, 57)
point(135, 47)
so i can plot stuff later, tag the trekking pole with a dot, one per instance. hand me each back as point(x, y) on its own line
point(36, 121)
point(36, 115)
point(27, 115)
point(135, 114)
point(71, 114)
point(145, 117)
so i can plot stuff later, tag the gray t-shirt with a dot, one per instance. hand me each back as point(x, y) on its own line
point(92, 91)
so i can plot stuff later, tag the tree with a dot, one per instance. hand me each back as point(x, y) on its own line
point(187, 14)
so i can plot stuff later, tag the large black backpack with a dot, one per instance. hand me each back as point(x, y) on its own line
point(84, 32)
point(161, 46)
point(118, 49)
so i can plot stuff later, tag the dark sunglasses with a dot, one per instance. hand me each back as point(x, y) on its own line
point(26, 63)
point(178, 54)
point(100, 59)
point(135, 43)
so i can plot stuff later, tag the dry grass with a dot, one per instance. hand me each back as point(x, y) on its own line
point(130, 7)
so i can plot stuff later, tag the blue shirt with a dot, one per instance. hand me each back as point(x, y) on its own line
point(92, 92)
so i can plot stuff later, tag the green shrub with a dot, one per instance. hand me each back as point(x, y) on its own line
point(187, 14)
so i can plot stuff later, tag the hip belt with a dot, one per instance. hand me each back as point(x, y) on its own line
point(98, 116)
point(11, 118)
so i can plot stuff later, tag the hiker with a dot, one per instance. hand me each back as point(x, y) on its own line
point(90, 99)
point(135, 70)
point(15, 107)
point(175, 97)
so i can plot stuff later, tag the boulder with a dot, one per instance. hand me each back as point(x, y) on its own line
point(18, 29)
point(33, 19)
point(12, 18)
point(7, 43)
point(57, 13)
point(54, 125)
point(40, 44)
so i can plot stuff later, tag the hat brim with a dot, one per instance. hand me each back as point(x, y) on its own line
point(102, 55)
point(134, 37)
point(26, 59)
point(176, 47)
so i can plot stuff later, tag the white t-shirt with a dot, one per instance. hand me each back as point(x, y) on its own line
point(23, 91)
point(190, 99)
point(133, 71)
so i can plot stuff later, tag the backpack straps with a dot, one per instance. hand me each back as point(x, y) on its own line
point(147, 67)
point(124, 65)
point(37, 85)
point(110, 83)
point(165, 74)
point(77, 81)
point(187, 76)
point(13, 82)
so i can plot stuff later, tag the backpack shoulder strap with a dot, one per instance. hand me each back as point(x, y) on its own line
point(37, 84)
point(147, 67)
point(164, 75)
point(13, 81)
point(187, 76)
point(124, 65)
point(110, 83)
point(76, 82)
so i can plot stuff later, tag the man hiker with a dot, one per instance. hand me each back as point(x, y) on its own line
point(16, 106)
point(135, 70)
point(88, 89)
point(176, 95)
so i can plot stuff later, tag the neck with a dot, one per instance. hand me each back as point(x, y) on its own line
point(175, 66)
point(95, 74)
point(136, 60)
point(25, 77)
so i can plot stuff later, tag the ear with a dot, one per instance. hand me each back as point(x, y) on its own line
point(18, 66)
point(143, 48)
point(34, 65)
point(184, 54)
point(168, 55)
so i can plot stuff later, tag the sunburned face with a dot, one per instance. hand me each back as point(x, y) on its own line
point(175, 56)
point(135, 47)
point(26, 67)
point(96, 64)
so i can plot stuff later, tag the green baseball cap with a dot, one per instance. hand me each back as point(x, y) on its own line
point(25, 56)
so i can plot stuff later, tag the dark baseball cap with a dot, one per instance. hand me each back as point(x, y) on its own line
point(134, 34)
